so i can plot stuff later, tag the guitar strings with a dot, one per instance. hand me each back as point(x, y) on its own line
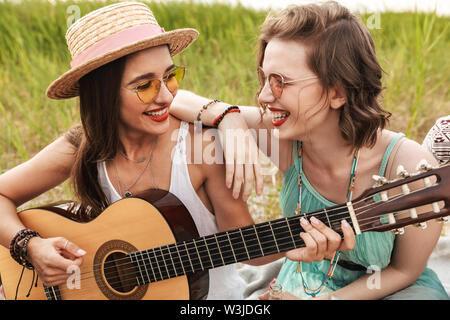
point(171, 271)
point(223, 257)
point(167, 269)
point(293, 218)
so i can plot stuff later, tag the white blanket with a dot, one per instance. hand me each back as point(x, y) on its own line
point(258, 278)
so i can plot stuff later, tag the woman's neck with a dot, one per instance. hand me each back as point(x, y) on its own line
point(327, 149)
point(137, 145)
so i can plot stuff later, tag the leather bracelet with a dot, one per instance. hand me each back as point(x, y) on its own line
point(220, 118)
point(19, 251)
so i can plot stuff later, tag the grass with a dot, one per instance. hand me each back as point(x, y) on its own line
point(412, 48)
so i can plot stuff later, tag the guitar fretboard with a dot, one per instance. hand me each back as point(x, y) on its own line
point(227, 247)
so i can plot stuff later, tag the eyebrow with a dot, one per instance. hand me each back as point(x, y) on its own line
point(148, 75)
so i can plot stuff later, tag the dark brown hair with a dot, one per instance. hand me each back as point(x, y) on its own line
point(341, 53)
point(96, 138)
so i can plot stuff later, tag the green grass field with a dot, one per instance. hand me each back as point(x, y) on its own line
point(412, 48)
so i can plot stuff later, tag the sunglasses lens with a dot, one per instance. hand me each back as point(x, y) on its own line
point(276, 85)
point(174, 79)
point(148, 92)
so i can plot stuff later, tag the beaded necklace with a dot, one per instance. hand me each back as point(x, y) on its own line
point(334, 260)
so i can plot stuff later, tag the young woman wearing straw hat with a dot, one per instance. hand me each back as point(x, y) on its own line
point(320, 80)
point(123, 72)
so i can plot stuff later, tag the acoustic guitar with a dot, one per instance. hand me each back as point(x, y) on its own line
point(148, 247)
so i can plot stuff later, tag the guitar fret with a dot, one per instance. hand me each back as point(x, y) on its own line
point(187, 252)
point(209, 254)
point(195, 257)
point(179, 258)
point(225, 248)
point(245, 245)
point(251, 240)
point(151, 266)
point(290, 232)
point(52, 293)
point(157, 264)
point(238, 246)
point(231, 246)
point(173, 264)
point(276, 244)
point(140, 281)
point(214, 251)
point(266, 238)
point(145, 262)
point(220, 251)
point(165, 264)
point(199, 257)
point(259, 242)
point(328, 218)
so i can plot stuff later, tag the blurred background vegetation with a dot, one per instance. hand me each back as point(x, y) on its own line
point(412, 48)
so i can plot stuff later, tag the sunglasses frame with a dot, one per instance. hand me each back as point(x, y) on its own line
point(163, 79)
point(283, 82)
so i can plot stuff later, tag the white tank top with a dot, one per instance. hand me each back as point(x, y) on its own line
point(224, 282)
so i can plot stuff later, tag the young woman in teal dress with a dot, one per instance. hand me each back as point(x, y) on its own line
point(320, 85)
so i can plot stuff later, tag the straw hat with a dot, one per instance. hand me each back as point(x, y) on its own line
point(109, 33)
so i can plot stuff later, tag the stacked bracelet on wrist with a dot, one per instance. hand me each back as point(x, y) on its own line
point(204, 108)
point(219, 119)
point(18, 247)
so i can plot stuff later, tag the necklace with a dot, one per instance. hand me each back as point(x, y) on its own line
point(140, 160)
point(128, 193)
point(336, 255)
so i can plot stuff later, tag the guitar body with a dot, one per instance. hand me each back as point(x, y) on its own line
point(126, 226)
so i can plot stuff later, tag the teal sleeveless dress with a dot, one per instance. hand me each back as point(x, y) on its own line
point(372, 249)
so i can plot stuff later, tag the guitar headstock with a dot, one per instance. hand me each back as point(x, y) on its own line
point(383, 214)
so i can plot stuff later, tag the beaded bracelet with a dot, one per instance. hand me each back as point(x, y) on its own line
point(219, 119)
point(205, 107)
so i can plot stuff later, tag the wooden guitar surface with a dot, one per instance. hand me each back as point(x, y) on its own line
point(126, 226)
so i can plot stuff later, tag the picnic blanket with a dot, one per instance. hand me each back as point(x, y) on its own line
point(259, 277)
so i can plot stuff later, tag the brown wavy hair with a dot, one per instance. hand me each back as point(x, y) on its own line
point(96, 138)
point(341, 53)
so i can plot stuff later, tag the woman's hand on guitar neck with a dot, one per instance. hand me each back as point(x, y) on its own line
point(321, 241)
point(52, 258)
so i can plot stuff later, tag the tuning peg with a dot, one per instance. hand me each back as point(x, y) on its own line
point(401, 172)
point(422, 225)
point(399, 231)
point(424, 166)
point(379, 181)
point(442, 219)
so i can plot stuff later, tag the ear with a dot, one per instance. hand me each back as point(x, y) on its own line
point(337, 98)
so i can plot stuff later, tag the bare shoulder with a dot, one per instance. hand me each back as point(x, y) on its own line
point(408, 155)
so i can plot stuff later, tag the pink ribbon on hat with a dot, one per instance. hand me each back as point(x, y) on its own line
point(116, 41)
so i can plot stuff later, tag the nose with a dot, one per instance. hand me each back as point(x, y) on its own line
point(266, 96)
point(164, 95)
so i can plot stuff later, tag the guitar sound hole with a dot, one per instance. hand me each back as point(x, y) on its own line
point(119, 272)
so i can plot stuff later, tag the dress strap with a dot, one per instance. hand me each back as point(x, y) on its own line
point(182, 132)
point(387, 154)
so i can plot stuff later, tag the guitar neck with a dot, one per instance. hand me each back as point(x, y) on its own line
point(227, 247)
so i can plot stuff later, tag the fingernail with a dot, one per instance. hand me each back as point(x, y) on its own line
point(81, 252)
point(315, 221)
point(304, 221)
point(345, 223)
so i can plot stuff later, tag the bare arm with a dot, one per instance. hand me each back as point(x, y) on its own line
point(47, 169)
point(187, 105)
point(230, 213)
